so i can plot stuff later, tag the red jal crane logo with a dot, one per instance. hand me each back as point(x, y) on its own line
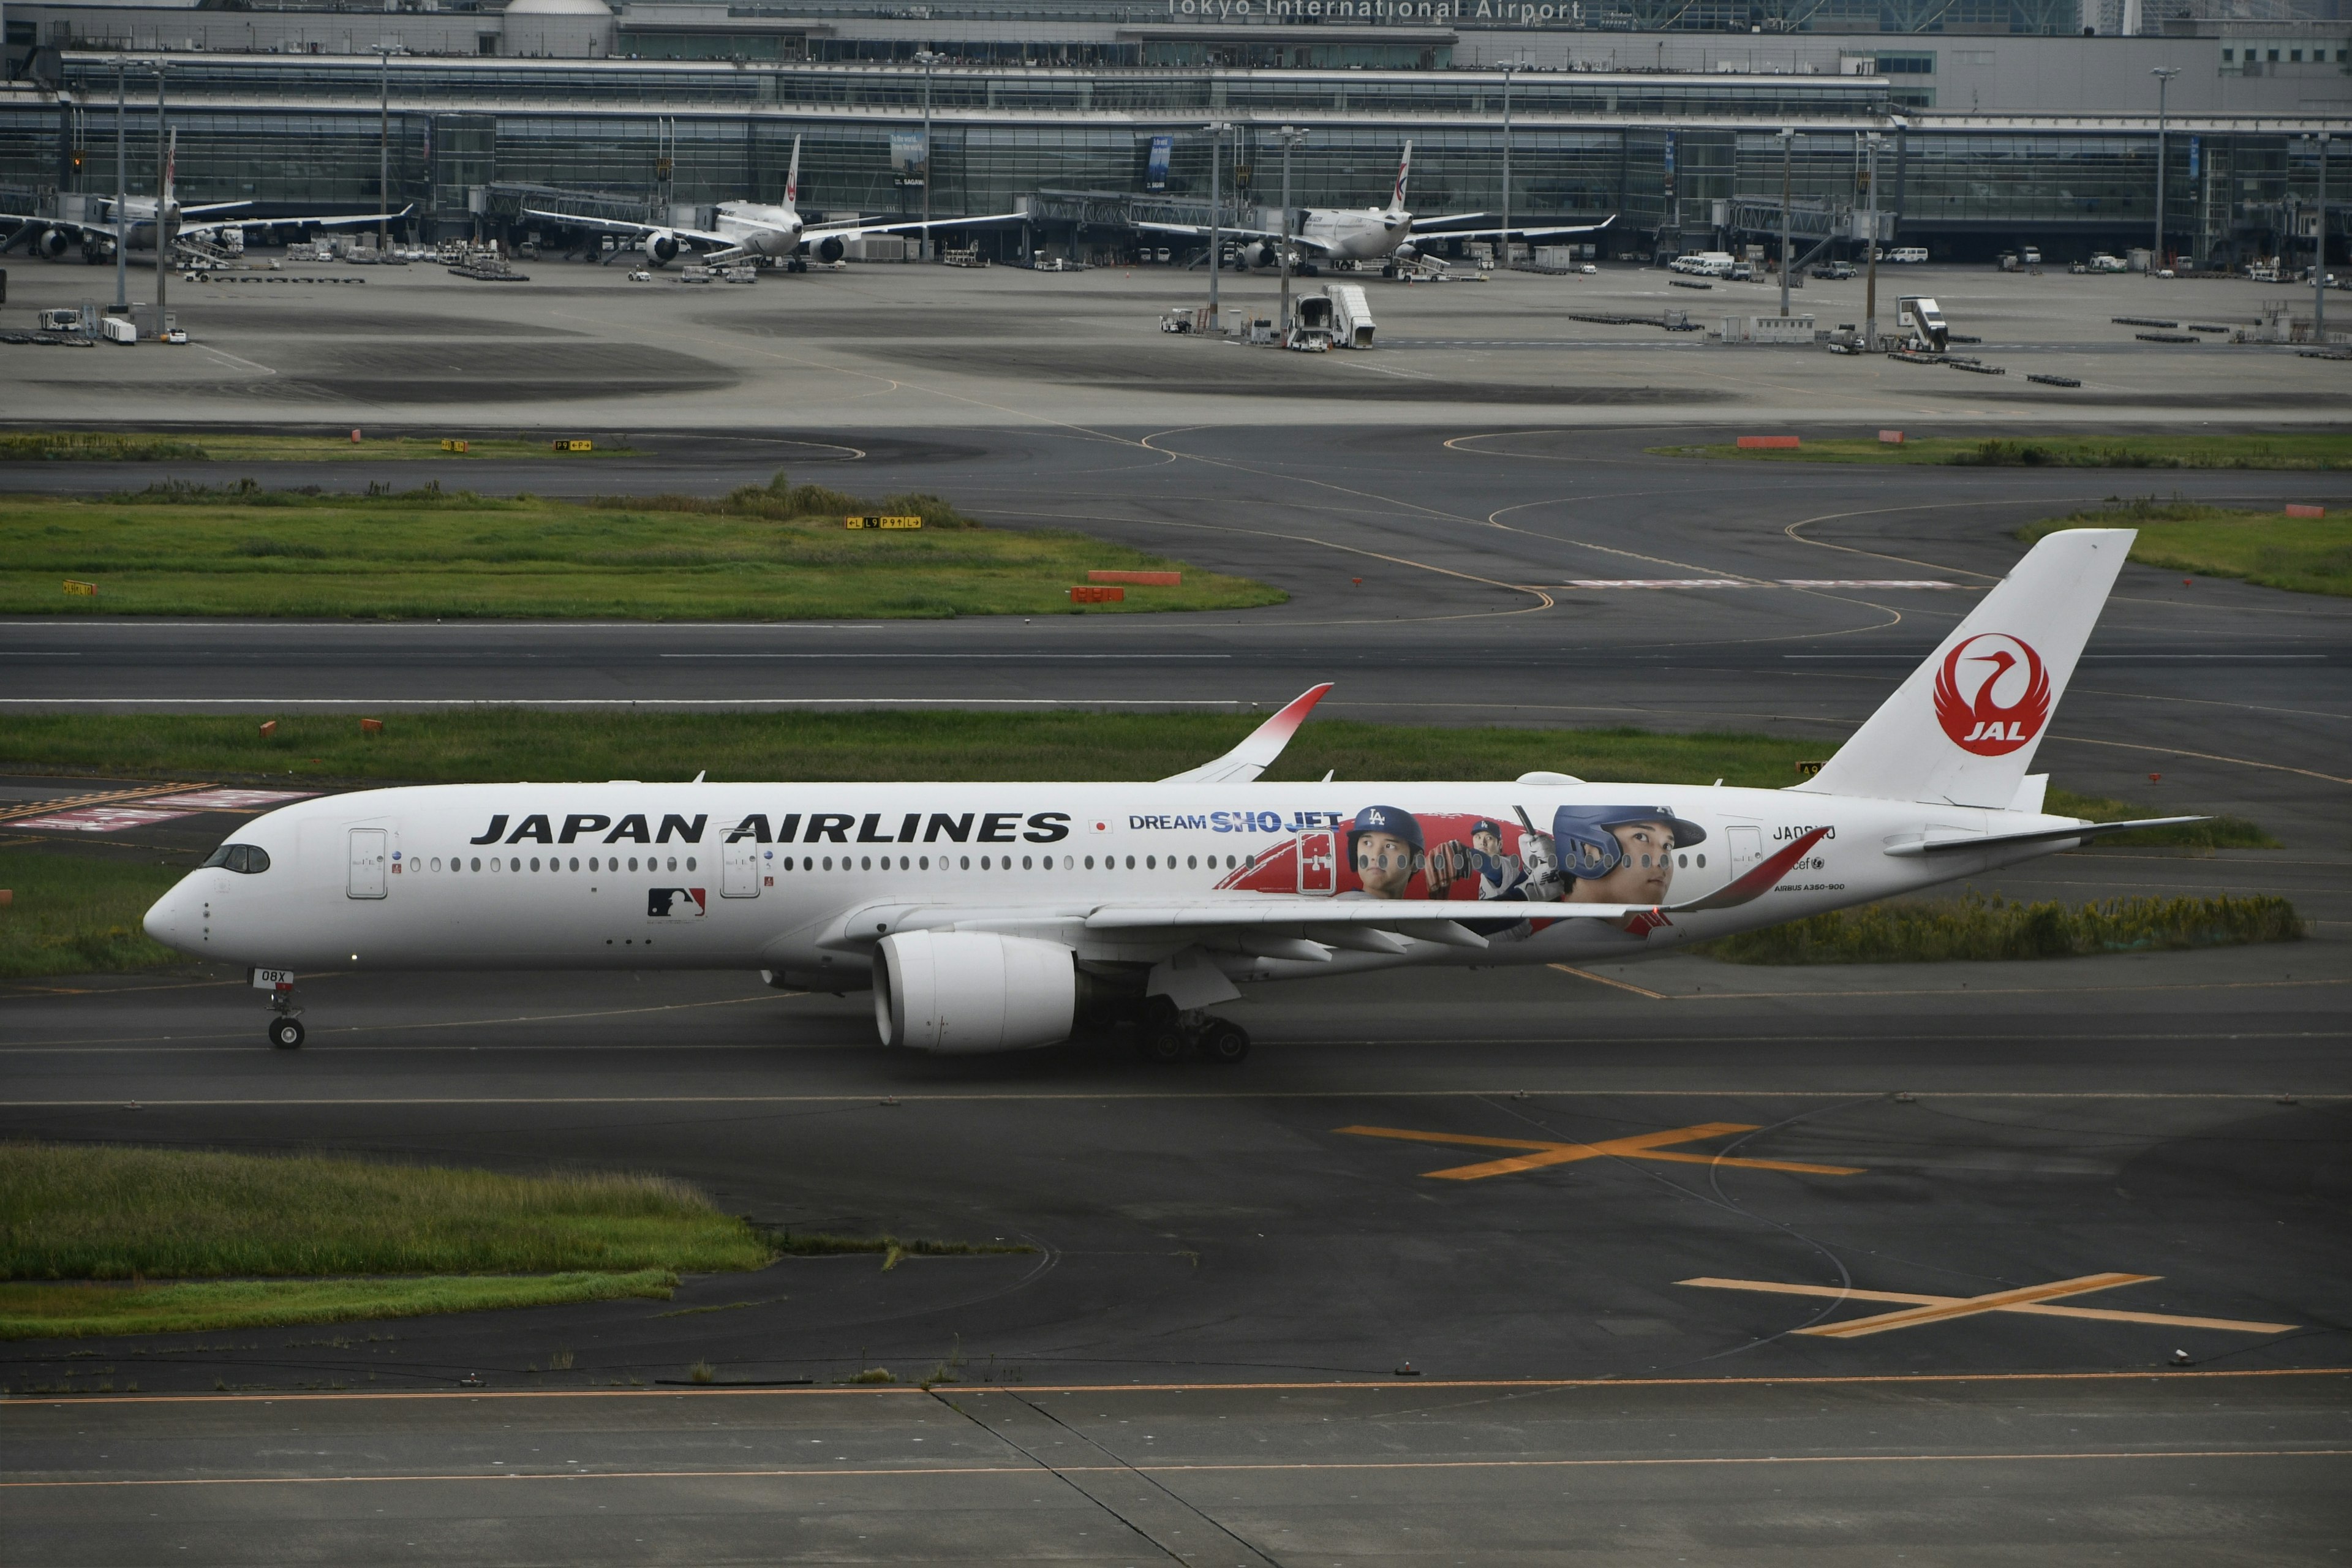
point(1976, 677)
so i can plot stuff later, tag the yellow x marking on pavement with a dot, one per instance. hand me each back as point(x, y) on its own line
point(2033, 1298)
point(1642, 1146)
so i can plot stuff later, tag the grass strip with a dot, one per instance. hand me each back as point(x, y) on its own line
point(75, 914)
point(1974, 926)
point(824, 1244)
point(103, 1212)
point(208, 447)
point(2300, 554)
point(2274, 450)
point(82, 1310)
point(777, 551)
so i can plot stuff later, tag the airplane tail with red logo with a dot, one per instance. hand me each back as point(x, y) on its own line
point(1404, 174)
point(1964, 726)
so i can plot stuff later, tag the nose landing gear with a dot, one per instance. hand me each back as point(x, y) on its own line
point(285, 1021)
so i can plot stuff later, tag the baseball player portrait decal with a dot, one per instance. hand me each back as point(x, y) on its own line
point(1992, 695)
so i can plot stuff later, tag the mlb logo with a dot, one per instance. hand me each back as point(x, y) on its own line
point(674, 904)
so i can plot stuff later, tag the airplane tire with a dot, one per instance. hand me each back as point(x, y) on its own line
point(1164, 1043)
point(1227, 1045)
point(285, 1034)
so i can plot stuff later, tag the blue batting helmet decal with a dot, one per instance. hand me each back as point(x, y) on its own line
point(1588, 851)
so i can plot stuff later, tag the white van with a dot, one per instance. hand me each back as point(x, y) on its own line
point(1703, 263)
point(1907, 254)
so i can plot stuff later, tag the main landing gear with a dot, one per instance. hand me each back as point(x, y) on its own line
point(1170, 1037)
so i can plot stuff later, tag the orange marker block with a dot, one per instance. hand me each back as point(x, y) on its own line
point(2294, 510)
point(1754, 441)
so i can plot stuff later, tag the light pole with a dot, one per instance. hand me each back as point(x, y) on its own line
point(1870, 277)
point(2319, 250)
point(122, 189)
point(163, 151)
point(2163, 74)
point(1504, 249)
point(1289, 136)
point(926, 59)
point(1787, 137)
point(1217, 129)
point(384, 152)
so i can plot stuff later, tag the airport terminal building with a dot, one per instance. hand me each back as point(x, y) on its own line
point(1989, 125)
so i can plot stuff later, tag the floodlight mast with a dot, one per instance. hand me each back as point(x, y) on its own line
point(1787, 137)
point(122, 189)
point(2163, 74)
point(1290, 137)
point(926, 59)
point(1217, 129)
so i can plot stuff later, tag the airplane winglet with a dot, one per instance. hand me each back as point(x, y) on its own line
point(1254, 755)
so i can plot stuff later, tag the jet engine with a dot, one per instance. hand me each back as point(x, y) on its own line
point(973, 991)
point(50, 243)
point(662, 246)
point(1408, 251)
point(829, 249)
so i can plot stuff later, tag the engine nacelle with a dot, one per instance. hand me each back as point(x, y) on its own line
point(829, 249)
point(50, 244)
point(1408, 251)
point(1266, 254)
point(954, 991)
point(662, 246)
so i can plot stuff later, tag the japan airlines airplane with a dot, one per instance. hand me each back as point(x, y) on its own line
point(990, 917)
point(742, 230)
point(1362, 234)
point(52, 237)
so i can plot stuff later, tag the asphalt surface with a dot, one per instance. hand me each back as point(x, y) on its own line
point(1256, 1326)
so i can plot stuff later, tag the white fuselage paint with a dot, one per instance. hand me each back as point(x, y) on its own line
point(1357, 234)
point(760, 228)
point(572, 873)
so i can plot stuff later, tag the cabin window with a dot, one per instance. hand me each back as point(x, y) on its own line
point(1130, 862)
point(967, 861)
point(575, 862)
point(1682, 860)
point(923, 862)
point(689, 862)
point(1028, 864)
point(1702, 862)
point(1151, 862)
point(1068, 864)
point(1249, 859)
point(828, 862)
point(478, 862)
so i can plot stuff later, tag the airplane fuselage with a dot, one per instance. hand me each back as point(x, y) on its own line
point(760, 228)
point(801, 877)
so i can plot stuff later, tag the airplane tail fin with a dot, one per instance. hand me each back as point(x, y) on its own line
point(1964, 726)
point(1404, 173)
point(792, 178)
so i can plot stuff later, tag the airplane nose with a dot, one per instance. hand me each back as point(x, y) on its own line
point(174, 920)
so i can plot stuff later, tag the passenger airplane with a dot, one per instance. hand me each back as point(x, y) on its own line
point(990, 917)
point(52, 237)
point(1384, 235)
point(746, 229)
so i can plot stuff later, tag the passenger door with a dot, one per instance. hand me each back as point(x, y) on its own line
point(368, 847)
point(739, 870)
point(1318, 863)
point(1747, 849)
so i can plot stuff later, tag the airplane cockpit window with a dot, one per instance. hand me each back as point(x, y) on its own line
point(247, 858)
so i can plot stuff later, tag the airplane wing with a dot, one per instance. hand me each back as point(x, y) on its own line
point(621, 225)
point(859, 229)
point(1201, 231)
point(1518, 231)
point(2039, 836)
point(1254, 755)
point(340, 220)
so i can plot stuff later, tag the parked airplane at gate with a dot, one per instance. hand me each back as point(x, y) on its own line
point(742, 230)
point(1384, 235)
point(52, 237)
point(996, 916)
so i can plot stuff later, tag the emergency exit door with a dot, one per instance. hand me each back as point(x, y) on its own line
point(367, 863)
point(1318, 863)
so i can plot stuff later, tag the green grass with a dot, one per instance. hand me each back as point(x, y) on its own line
point(1979, 928)
point(75, 915)
point(80, 1311)
point(151, 447)
point(2274, 450)
point(765, 552)
point(2301, 554)
point(110, 1213)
